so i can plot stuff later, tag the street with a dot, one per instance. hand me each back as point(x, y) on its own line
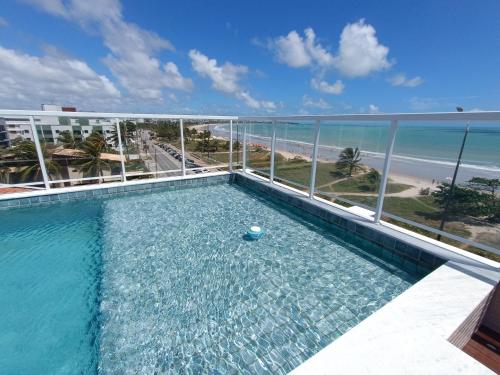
point(160, 160)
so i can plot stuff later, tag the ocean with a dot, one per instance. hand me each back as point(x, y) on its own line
point(433, 146)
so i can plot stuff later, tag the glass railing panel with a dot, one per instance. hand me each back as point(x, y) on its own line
point(293, 154)
point(237, 145)
point(79, 151)
point(350, 163)
point(425, 158)
point(206, 145)
point(151, 148)
point(19, 163)
point(258, 147)
point(475, 201)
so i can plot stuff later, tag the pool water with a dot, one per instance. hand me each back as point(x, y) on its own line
point(167, 283)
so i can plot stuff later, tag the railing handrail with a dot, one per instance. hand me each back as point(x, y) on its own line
point(429, 116)
point(39, 113)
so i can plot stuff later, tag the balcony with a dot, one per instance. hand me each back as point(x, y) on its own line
point(421, 190)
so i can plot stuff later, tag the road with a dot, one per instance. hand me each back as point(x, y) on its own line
point(160, 159)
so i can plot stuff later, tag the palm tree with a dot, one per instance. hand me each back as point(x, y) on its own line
point(373, 177)
point(349, 161)
point(127, 131)
point(4, 174)
point(68, 140)
point(93, 146)
point(26, 151)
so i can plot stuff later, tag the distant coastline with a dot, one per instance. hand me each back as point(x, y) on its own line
point(426, 169)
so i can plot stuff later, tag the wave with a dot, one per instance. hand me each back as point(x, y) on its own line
point(379, 155)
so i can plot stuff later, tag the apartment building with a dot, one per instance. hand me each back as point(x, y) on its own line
point(49, 128)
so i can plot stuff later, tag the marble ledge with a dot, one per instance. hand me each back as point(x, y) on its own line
point(410, 334)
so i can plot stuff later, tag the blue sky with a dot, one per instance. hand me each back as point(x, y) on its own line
point(253, 57)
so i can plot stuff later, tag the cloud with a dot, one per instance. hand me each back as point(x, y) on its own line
point(402, 80)
point(132, 49)
point(327, 88)
point(449, 103)
point(3, 22)
point(360, 53)
point(225, 78)
point(30, 80)
point(307, 101)
point(54, 7)
point(297, 51)
point(372, 108)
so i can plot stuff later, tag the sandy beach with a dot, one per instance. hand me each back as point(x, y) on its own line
point(419, 172)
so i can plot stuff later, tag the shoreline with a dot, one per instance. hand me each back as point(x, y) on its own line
point(423, 170)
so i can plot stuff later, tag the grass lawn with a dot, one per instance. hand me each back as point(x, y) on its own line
point(360, 184)
point(300, 171)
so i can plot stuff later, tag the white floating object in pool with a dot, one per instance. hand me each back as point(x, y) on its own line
point(255, 232)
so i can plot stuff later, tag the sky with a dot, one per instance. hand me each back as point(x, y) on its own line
point(251, 57)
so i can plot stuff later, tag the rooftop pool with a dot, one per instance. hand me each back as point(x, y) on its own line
point(167, 283)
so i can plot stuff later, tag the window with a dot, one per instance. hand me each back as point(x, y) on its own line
point(86, 131)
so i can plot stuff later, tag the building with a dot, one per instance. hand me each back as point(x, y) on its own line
point(49, 128)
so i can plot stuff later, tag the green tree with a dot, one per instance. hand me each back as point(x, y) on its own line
point(30, 166)
point(373, 177)
point(205, 143)
point(127, 134)
point(4, 174)
point(93, 146)
point(485, 184)
point(349, 161)
point(67, 140)
point(463, 201)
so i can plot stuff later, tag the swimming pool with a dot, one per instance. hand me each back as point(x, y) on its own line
point(166, 282)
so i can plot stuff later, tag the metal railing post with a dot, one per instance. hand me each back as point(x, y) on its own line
point(230, 145)
point(183, 154)
point(273, 150)
point(120, 148)
point(41, 159)
point(314, 160)
point(385, 174)
point(244, 161)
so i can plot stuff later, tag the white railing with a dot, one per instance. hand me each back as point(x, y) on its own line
point(394, 120)
point(275, 122)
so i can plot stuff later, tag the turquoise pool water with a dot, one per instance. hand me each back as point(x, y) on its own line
point(166, 283)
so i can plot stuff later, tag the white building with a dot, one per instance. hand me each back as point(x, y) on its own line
point(49, 128)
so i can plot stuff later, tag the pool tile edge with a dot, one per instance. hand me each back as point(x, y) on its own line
point(86, 192)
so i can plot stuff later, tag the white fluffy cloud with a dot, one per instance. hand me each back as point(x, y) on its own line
point(372, 108)
point(327, 88)
point(27, 79)
point(297, 51)
point(402, 80)
point(225, 78)
point(132, 49)
point(307, 101)
point(360, 53)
